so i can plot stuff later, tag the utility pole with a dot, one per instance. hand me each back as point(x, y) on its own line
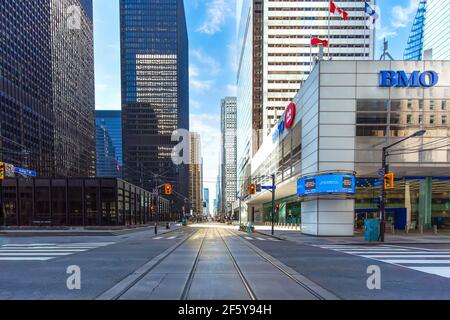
point(273, 203)
point(385, 169)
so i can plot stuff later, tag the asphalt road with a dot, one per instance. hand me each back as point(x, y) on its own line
point(214, 262)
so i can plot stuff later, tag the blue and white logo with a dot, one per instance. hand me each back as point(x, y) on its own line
point(426, 79)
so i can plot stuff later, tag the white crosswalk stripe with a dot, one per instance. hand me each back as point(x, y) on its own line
point(430, 261)
point(260, 238)
point(45, 251)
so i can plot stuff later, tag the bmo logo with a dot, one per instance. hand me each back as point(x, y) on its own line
point(401, 79)
point(286, 123)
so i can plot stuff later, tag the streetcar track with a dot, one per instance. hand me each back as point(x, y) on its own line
point(238, 269)
point(190, 279)
point(283, 271)
point(140, 277)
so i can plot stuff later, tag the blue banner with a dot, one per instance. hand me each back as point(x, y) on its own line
point(25, 172)
point(326, 184)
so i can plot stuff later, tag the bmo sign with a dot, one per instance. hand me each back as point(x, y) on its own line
point(401, 79)
point(287, 122)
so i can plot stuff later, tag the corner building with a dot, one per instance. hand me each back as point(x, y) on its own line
point(343, 119)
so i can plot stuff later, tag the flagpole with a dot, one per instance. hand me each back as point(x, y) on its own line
point(365, 27)
point(329, 15)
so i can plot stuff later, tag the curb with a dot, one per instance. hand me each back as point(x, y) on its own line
point(85, 233)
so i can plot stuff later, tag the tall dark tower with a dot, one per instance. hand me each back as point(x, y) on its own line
point(155, 91)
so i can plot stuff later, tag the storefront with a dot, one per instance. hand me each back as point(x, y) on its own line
point(345, 113)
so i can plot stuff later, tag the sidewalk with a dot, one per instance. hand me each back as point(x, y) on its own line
point(87, 231)
point(443, 237)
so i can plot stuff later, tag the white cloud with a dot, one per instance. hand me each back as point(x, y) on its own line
point(401, 16)
point(201, 85)
point(231, 90)
point(217, 13)
point(211, 65)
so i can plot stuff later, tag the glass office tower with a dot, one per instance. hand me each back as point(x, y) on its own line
point(109, 143)
point(26, 109)
point(155, 91)
point(73, 89)
point(430, 33)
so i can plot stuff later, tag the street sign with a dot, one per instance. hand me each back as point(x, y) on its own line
point(268, 187)
point(381, 173)
point(25, 172)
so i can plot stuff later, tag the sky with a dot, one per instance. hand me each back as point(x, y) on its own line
point(212, 53)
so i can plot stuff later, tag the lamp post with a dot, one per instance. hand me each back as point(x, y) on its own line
point(385, 167)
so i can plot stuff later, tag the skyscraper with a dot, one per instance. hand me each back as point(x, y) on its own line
point(430, 33)
point(109, 143)
point(73, 87)
point(206, 200)
point(47, 86)
point(195, 174)
point(229, 150)
point(275, 58)
point(155, 91)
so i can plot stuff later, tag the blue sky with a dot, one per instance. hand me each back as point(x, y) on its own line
point(211, 28)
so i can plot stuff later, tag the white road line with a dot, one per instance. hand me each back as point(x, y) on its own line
point(157, 238)
point(416, 261)
point(440, 271)
point(249, 238)
point(262, 239)
point(409, 256)
point(37, 248)
point(26, 259)
point(43, 250)
point(170, 238)
point(35, 254)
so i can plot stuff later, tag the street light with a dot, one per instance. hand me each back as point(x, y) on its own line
point(385, 168)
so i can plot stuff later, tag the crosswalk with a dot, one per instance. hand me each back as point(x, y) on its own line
point(254, 238)
point(429, 261)
point(45, 251)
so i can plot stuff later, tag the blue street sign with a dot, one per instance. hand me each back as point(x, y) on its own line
point(25, 172)
point(268, 187)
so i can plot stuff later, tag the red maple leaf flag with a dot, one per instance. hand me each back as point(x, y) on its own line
point(334, 9)
point(316, 41)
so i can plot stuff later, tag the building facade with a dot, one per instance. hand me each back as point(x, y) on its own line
point(344, 115)
point(26, 92)
point(53, 202)
point(276, 57)
point(109, 143)
point(195, 174)
point(47, 87)
point(73, 87)
point(206, 202)
point(430, 33)
point(229, 152)
point(155, 91)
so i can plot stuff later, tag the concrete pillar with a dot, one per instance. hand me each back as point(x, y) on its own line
point(328, 217)
point(425, 197)
point(408, 203)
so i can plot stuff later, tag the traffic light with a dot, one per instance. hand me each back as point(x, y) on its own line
point(2, 170)
point(252, 188)
point(168, 189)
point(389, 181)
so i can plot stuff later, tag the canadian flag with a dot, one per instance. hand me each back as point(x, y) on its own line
point(315, 41)
point(334, 9)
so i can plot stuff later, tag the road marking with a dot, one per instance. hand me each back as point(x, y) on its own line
point(262, 239)
point(44, 252)
point(249, 238)
point(157, 238)
point(404, 257)
point(34, 254)
point(26, 259)
point(170, 238)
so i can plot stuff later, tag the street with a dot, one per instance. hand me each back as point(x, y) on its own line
point(216, 262)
